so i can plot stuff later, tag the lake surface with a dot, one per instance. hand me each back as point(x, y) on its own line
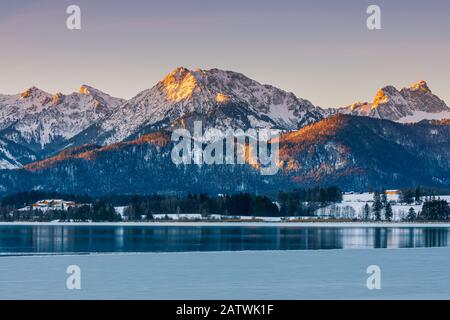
point(35, 239)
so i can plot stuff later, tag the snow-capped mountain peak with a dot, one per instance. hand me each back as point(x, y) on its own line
point(34, 100)
point(179, 84)
point(88, 90)
point(34, 93)
point(84, 89)
point(412, 104)
point(15, 107)
point(223, 99)
point(420, 86)
point(36, 118)
point(96, 98)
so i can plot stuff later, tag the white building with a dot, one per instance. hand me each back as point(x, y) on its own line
point(51, 204)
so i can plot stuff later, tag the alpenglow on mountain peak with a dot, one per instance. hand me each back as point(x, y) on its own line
point(179, 84)
point(33, 92)
point(411, 104)
point(182, 83)
point(44, 123)
point(214, 84)
point(420, 85)
point(220, 99)
point(84, 89)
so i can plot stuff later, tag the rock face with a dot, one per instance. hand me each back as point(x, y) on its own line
point(411, 104)
point(353, 152)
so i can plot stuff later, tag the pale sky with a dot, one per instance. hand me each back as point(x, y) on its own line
point(319, 49)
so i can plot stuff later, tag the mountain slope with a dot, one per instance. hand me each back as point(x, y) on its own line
point(221, 99)
point(13, 156)
point(355, 153)
point(411, 104)
point(361, 152)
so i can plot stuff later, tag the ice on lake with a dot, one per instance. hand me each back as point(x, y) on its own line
point(420, 273)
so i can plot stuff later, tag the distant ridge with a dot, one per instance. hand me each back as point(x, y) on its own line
point(355, 153)
point(411, 104)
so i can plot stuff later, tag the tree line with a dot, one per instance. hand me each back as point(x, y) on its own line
point(99, 211)
point(243, 204)
point(433, 209)
point(300, 202)
point(381, 208)
point(139, 207)
point(415, 195)
point(305, 202)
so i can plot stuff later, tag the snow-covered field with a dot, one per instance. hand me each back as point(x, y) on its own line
point(180, 216)
point(365, 197)
point(328, 274)
point(352, 206)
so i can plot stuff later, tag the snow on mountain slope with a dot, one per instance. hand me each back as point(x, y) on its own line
point(15, 107)
point(411, 104)
point(352, 152)
point(418, 116)
point(358, 108)
point(13, 156)
point(37, 119)
point(223, 99)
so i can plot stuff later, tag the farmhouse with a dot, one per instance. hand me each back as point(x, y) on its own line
point(51, 204)
point(393, 192)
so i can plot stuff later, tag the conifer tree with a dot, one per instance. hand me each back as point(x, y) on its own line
point(377, 205)
point(388, 214)
point(366, 212)
point(411, 214)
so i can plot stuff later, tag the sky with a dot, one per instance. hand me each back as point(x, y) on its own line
point(321, 50)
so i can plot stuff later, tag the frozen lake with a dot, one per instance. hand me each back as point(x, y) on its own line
point(68, 239)
point(309, 274)
point(224, 262)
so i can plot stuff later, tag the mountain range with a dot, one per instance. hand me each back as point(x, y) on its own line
point(99, 144)
point(408, 105)
point(42, 122)
point(221, 99)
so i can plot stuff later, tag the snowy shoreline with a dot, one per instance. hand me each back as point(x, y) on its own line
point(240, 224)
